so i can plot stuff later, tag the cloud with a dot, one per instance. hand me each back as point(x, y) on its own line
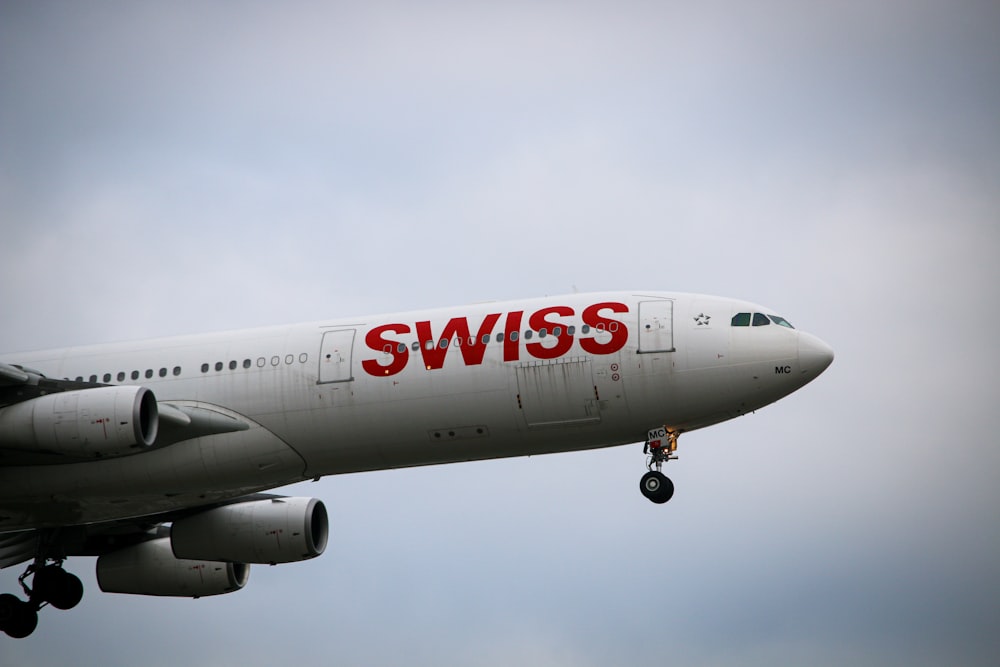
point(172, 169)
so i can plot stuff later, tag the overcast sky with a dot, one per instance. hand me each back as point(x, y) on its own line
point(183, 167)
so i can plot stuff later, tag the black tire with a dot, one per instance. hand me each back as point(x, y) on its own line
point(657, 487)
point(649, 484)
point(17, 618)
point(46, 583)
point(8, 609)
point(56, 586)
point(70, 592)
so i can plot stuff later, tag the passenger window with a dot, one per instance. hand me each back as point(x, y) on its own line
point(585, 329)
point(218, 365)
point(741, 320)
point(443, 344)
point(93, 378)
point(107, 377)
point(232, 365)
point(416, 346)
point(204, 368)
point(177, 370)
point(401, 348)
point(246, 363)
point(760, 319)
point(571, 330)
point(486, 339)
point(121, 376)
point(149, 373)
point(163, 373)
point(528, 334)
point(543, 332)
point(557, 331)
point(135, 375)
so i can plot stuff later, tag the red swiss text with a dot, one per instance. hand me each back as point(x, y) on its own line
point(553, 326)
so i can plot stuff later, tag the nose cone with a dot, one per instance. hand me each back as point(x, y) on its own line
point(814, 354)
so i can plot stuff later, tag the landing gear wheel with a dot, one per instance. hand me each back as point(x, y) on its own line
point(56, 586)
point(17, 618)
point(656, 486)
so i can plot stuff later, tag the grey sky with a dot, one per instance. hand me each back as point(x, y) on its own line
point(179, 168)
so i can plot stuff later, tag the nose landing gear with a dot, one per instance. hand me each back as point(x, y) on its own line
point(654, 484)
point(51, 584)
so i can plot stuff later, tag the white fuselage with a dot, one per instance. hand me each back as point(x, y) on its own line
point(412, 389)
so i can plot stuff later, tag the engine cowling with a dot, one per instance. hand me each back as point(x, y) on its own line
point(85, 423)
point(278, 530)
point(150, 568)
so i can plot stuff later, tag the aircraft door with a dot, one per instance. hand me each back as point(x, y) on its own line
point(656, 326)
point(335, 355)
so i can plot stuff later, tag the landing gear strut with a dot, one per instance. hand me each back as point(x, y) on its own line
point(50, 584)
point(654, 484)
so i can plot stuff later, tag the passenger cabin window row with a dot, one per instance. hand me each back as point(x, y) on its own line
point(759, 320)
point(289, 359)
point(176, 371)
point(261, 362)
point(133, 375)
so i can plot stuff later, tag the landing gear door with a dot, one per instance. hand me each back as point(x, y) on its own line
point(335, 355)
point(656, 326)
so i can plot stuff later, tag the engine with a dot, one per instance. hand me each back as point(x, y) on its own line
point(275, 530)
point(150, 568)
point(85, 423)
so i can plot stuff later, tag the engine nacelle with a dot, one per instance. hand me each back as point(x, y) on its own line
point(85, 423)
point(278, 530)
point(150, 568)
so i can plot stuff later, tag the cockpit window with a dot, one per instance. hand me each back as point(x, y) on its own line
point(759, 320)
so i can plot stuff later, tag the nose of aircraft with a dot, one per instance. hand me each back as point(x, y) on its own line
point(814, 354)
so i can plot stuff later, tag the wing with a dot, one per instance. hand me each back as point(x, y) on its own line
point(48, 421)
point(188, 553)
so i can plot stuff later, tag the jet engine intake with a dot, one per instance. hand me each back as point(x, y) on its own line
point(84, 423)
point(150, 568)
point(275, 530)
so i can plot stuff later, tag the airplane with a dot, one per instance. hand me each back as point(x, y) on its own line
point(156, 456)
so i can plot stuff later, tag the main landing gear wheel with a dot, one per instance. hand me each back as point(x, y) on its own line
point(50, 585)
point(656, 486)
point(56, 586)
point(17, 618)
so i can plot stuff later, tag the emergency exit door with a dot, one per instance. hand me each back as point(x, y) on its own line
point(335, 356)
